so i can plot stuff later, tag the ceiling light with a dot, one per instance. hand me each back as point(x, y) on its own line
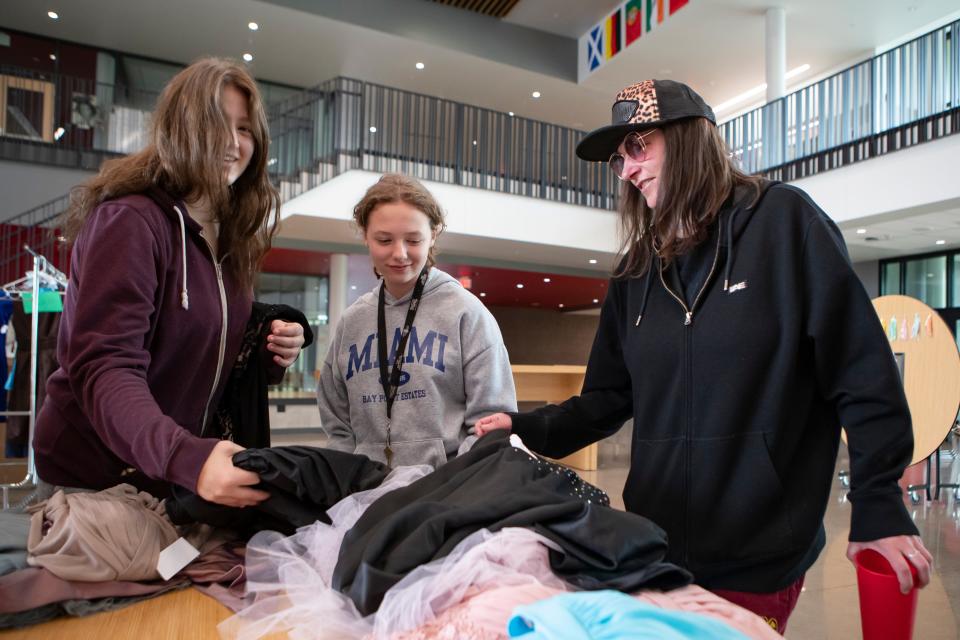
point(592, 261)
point(353, 287)
point(546, 279)
point(420, 65)
point(483, 295)
point(723, 106)
point(519, 286)
point(373, 129)
point(271, 162)
point(596, 300)
point(941, 242)
point(59, 133)
point(53, 56)
point(474, 143)
point(861, 231)
point(53, 15)
point(560, 305)
point(510, 113)
point(248, 57)
point(253, 26)
point(535, 94)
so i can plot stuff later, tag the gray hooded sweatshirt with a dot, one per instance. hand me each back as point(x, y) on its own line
point(456, 371)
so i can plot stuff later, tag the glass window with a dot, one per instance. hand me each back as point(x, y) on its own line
point(890, 279)
point(309, 294)
point(955, 294)
point(927, 280)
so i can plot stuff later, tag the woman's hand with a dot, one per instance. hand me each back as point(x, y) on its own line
point(490, 423)
point(284, 341)
point(899, 550)
point(225, 484)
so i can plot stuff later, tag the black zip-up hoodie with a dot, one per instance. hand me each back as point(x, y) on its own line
point(738, 397)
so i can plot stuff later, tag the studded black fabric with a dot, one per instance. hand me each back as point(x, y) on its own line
point(493, 486)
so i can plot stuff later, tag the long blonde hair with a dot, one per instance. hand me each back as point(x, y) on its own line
point(188, 136)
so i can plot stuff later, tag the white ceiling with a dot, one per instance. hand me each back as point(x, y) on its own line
point(714, 45)
point(903, 236)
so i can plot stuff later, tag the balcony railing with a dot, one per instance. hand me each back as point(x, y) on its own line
point(904, 96)
point(917, 83)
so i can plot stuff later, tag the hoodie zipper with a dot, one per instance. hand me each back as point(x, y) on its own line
point(223, 340)
point(688, 312)
point(687, 397)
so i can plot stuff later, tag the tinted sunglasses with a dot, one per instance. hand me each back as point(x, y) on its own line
point(635, 147)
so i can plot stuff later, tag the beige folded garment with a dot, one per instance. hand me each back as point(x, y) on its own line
point(115, 534)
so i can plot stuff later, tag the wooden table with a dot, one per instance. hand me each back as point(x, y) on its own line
point(555, 383)
point(181, 614)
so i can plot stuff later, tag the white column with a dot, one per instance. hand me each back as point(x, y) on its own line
point(775, 44)
point(337, 289)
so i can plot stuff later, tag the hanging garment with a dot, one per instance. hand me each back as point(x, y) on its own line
point(243, 413)
point(492, 486)
point(611, 615)
point(19, 399)
point(6, 311)
point(303, 482)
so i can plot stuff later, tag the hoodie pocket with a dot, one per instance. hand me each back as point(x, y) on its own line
point(412, 452)
point(737, 506)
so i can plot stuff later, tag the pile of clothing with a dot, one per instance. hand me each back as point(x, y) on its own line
point(496, 542)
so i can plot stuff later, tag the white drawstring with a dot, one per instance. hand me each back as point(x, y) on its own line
point(184, 298)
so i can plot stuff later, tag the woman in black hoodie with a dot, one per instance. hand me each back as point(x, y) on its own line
point(738, 337)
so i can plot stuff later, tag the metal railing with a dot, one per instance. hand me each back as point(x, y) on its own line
point(902, 97)
point(36, 228)
point(909, 84)
point(348, 124)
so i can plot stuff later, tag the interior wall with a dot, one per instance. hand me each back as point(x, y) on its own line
point(541, 336)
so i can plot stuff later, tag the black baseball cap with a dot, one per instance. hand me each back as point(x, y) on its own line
point(641, 106)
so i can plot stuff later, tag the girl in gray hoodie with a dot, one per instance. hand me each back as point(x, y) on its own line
point(452, 367)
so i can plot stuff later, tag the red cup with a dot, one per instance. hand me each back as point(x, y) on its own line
point(885, 612)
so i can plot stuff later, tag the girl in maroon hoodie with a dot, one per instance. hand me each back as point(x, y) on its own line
point(166, 243)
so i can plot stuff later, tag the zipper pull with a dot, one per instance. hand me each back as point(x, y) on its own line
point(688, 319)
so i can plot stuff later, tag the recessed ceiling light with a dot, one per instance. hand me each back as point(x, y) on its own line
point(592, 261)
point(253, 26)
point(53, 56)
point(941, 242)
point(861, 231)
point(519, 286)
point(248, 57)
point(353, 287)
point(596, 300)
point(510, 113)
point(483, 295)
point(53, 15)
point(546, 279)
point(474, 143)
point(560, 305)
point(535, 94)
point(420, 65)
point(373, 129)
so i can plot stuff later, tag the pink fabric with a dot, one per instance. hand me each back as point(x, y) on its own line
point(220, 574)
point(484, 616)
point(34, 587)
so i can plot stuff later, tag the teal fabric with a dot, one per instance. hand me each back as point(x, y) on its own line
point(611, 615)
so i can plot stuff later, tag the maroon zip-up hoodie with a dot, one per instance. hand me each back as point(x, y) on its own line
point(150, 328)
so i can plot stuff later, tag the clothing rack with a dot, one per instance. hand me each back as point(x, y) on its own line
point(42, 270)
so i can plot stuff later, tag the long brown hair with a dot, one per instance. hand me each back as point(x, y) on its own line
point(184, 157)
point(395, 187)
point(696, 177)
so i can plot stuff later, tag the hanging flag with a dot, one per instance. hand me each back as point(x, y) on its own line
point(649, 15)
point(634, 20)
point(677, 4)
point(613, 34)
point(594, 48)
